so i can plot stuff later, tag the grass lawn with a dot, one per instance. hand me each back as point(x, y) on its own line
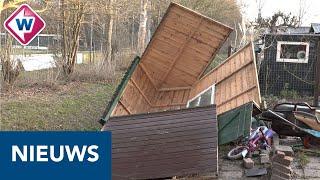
point(75, 106)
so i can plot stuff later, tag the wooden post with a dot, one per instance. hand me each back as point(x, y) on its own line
point(317, 78)
point(229, 50)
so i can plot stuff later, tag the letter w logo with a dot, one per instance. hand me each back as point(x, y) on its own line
point(24, 24)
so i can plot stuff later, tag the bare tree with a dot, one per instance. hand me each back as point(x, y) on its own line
point(142, 26)
point(119, 27)
point(110, 32)
point(279, 19)
point(10, 69)
point(302, 12)
point(72, 13)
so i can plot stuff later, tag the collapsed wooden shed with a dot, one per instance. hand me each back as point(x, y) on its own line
point(170, 71)
point(169, 79)
point(180, 51)
point(235, 80)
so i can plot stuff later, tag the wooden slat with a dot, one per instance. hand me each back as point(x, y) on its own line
point(175, 88)
point(147, 74)
point(186, 11)
point(141, 92)
point(164, 144)
point(182, 32)
point(180, 52)
point(120, 110)
point(132, 97)
point(236, 81)
point(181, 79)
point(127, 110)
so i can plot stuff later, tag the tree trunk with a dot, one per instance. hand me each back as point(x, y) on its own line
point(10, 70)
point(72, 21)
point(142, 34)
point(110, 32)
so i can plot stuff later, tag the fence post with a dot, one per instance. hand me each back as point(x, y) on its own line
point(317, 78)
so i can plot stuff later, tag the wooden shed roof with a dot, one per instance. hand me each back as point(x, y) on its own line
point(182, 47)
point(164, 144)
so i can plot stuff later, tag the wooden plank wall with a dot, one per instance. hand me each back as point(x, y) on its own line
point(135, 98)
point(236, 84)
point(236, 81)
point(141, 96)
point(170, 100)
point(164, 144)
point(179, 52)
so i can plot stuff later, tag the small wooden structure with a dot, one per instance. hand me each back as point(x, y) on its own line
point(177, 56)
point(154, 103)
point(290, 62)
point(171, 70)
point(164, 144)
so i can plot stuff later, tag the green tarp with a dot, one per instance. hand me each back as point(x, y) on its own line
point(235, 123)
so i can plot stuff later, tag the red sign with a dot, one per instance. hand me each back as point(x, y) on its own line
point(24, 24)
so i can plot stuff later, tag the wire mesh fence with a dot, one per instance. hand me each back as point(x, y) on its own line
point(276, 77)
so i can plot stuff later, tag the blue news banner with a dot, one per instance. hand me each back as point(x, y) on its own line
point(55, 155)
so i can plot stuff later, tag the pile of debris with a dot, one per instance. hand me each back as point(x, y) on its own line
point(281, 166)
point(169, 115)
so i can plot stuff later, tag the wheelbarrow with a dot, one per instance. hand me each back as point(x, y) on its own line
point(298, 119)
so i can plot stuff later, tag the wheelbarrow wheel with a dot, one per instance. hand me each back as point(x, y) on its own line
point(307, 141)
point(236, 153)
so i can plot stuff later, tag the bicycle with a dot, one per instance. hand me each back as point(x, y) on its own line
point(259, 139)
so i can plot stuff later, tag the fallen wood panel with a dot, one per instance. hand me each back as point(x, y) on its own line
point(183, 38)
point(164, 144)
point(180, 50)
point(236, 81)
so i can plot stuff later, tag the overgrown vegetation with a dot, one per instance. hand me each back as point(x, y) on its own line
point(74, 106)
point(289, 93)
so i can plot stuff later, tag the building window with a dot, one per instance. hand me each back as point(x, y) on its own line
point(292, 52)
point(205, 98)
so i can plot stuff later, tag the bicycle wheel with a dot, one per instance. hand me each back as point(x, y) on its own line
point(236, 153)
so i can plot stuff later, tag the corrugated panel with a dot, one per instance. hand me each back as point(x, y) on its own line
point(297, 30)
point(290, 30)
point(236, 81)
point(165, 144)
point(316, 28)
